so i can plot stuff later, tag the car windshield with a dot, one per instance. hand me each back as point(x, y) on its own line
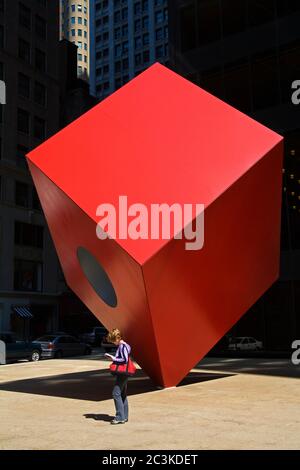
point(235, 340)
point(46, 338)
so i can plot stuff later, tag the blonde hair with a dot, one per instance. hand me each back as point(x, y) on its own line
point(114, 335)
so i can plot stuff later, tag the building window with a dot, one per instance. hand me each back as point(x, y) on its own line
point(159, 51)
point(23, 121)
point(24, 50)
point(105, 20)
point(146, 39)
point(117, 16)
point(39, 128)
point(105, 52)
point(118, 50)
point(138, 59)
point(29, 235)
point(117, 66)
point(79, 32)
point(23, 85)
point(106, 86)
point(137, 25)
point(98, 72)
point(146, 56)
point(125, 47)
point(40, 60)
point(105, 36)
point(145, 5)
point(124, 14)
point(79, 44)
point(138, 42)
point(118, 83)
point(73, 8)
point(125, 63)
point(137, 8)
point(1, 36)
point(85, 34)
point(117, 33)
point(40, 94)
point(159, 34)
point(80, 57)
point(105, 69)
point(28, 275)
point(73, 20)
point(146, 22)
point(24, 16)
point(21, 194)
point(40, 27)
point(159, 17)
point(20, 157)
point(79, 20)
point(125, 30)
point(79, 7)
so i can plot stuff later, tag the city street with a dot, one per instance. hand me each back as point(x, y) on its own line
point(222, 404)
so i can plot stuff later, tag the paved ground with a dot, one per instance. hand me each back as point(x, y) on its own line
point(222, 404)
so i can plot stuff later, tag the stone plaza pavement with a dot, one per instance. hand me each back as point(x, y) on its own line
point(221, 404)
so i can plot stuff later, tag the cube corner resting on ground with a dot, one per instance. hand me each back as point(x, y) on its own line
point(162, 139)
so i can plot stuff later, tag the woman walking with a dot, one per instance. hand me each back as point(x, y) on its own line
point(120, 388)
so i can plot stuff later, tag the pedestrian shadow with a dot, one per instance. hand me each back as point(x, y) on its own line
point(94, 385)
point(99, 417)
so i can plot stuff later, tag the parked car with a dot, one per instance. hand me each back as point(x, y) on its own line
point(94, 336)
point(17, 349)
point(244, 343)
point(56, 346)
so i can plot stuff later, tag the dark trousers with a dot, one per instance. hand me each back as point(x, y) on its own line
point(120, 397)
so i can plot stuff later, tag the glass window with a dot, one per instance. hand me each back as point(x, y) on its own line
point(73, 32)
point(137, 25)
point(24, 50)
point(29, 235)
point(138, 59)
point(23, 121)
point(124, 14)
point(79, 32)
point(146, 56)
point(28, 275)
point(39, 128)
point(125, 63)
point(159, 17)
point(138, 42)
point(79, 20)
point(125, 29)
point(145, 5)
point(73, 7)
point(159, 51)
point(117, 50)
point(117, 66)
point(146, 39)
point(23, 85)
point(146, 22)
point(137, 8)
point(40, 93)
point(159, 34)
point(79, 7)
point(21, 194)
point(20, 156)
point(117, 16)
point(24, 16)
point(40, 27)
point(80, 57)
point(40, 60)
point(117, 33)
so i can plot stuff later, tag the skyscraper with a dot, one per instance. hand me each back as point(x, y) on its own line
point(74, 26)
point(248, 54)
point(126, 37)
point(29, 269)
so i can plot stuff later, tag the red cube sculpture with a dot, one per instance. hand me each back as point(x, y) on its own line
point(162, 139)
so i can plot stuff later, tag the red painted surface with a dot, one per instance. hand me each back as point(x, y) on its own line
point(161, 139)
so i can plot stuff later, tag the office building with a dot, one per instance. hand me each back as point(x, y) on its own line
point(126, 38)
point(248, 54)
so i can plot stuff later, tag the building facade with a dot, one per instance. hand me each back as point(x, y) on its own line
point(248, 54)
point(30, 276)
point(75, 27)
point(127, 36)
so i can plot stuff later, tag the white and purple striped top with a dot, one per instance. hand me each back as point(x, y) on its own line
point(122, 353)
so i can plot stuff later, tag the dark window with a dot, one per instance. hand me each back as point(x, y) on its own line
point(105, 68)
point(28, 275)
point(40, 27)
point(24, 50)
point(265, 82)
point(36, 205)
point(137, 8)
point(159, 51)
point(209, 28)
point(29, 235)
point(23, 121)
point(159, 34)
point(24, 16)
point(39, 128)
point(234, 16)
point(146, 39)
point(117, 66)
point(23, 85)
point(124, 14)
point(40, 60)
point(260, 11)
point(188, 28)
point(40, 93)
point(138, 59)
point(21, 194)
point(1, 36)
point(146, 56)
point(237, 86)
point(125, 63)
point(21, 152)
point(137, 25)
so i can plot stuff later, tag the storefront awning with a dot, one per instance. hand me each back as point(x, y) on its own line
point(23, 312)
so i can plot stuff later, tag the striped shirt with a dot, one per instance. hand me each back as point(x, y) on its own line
point(122, 353)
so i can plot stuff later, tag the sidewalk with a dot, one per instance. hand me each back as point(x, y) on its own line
point(66, 404)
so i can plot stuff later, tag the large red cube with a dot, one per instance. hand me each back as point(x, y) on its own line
point(161, 139)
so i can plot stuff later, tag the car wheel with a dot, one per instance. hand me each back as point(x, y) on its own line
point(58, 355)
point(35, 356)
